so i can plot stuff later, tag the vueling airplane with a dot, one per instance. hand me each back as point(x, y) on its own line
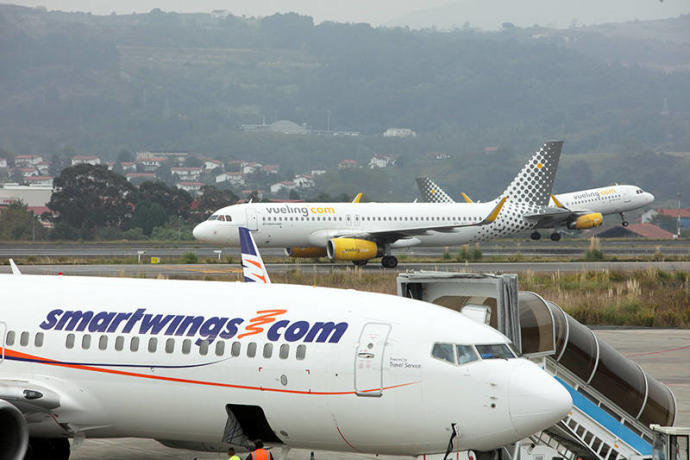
point(585, 208)
point(207, 365)
point(361, 231)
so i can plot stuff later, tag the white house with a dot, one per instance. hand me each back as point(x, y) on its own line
point(143, 176)
point(128, 166)
point(26, 161)
point(234, 178)
point(85, 159)
point(347, 164)
point(39, 180)
point(191, 187)
point(210, 164)
point(249, 167)
point(399, 132)
point(282, 186)
point(151, 164)
point(381, 161)
point(3, 162)
point(187, 173)
point(304, 181)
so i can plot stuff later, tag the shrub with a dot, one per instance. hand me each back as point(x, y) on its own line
point(190, 258)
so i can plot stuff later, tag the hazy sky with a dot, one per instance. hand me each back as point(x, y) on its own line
point(545, 12)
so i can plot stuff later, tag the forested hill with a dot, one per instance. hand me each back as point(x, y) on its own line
point(165, 81)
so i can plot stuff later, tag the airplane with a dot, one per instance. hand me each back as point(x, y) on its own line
point(363, 231)
point(205, 365)
point(585, 208)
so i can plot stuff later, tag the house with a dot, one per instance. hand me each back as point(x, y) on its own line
point(138, 178)
point(437, 156)
point(128, 166)
point(85, 159)
point(210, 164)
point(234, 165)
point(317, 172)
point(249, 167)
point(283, 186)
point(151, 164)
point(191, 187)
point(26, 161)
point(304, 181)
point(43, 168)
point(177, 158)
point(187, 173)
point(233, 178)
point(110, 165)
point(3, 162)
point(649, 231)
point(39, 180)
point(674, 213)
point(347, 164)
point(399, 132)
point(381, 161)
point(26, 172)
point(271, 169)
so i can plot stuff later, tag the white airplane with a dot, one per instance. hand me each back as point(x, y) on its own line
point(203, 365)
point(586, 208)
point(362, 231)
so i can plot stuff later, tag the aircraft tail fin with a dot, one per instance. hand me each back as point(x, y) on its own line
point(534, 182)
point(252, 264)
point(432, 193)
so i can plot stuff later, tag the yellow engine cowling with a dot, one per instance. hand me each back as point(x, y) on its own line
point(312, 252)
point(587, 221)
point(351, 249)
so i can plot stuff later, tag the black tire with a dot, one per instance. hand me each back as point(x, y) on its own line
point(360, 263)
point(555, 236)
point(53, 449)
point(535, 235)
point(625, 223)
point(389, 261)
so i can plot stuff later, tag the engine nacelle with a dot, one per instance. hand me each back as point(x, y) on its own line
point(14, 434)
point(587, 221)
point(312, 252)
point(352, 249)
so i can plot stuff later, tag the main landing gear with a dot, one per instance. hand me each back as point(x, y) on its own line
point(535, 235)
point(389, 261)
point(54, 449)
point(555, 236)
point(624, 222)
point(359, 263)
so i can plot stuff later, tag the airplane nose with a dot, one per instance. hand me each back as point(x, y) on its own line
point(199, 232)
point(650, 197)
point(536, 400)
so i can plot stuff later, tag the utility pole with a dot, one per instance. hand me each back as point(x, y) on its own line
point(678, 223)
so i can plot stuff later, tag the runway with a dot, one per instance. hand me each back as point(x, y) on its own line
point(662, 352)
point(202, 270)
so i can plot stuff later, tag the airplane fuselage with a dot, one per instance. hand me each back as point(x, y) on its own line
point(614, 199)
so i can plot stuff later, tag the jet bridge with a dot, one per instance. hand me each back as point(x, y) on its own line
point(614, 400)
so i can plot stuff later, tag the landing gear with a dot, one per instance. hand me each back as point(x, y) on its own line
point(535, 235)
point(54, 449)
point(359, 263)
point(389, 261)
point(624, 222)
point(555, 236)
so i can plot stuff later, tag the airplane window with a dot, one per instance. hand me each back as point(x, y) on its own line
point(103, 342)
point(268, 350)
point(186, 346)
point(235, 349)
point(38, 340)
point(170, 345)
point(444, 352)
point(134, 344)
point(10, 338)
point(203, 348)
point(69, 341)
point(284, 351)
point(466, 353)
point(495, 351)
point(24, 339)
point(251, 349)
point(119, 343)
point(220, 348)
point(213, 217)
point(228, 218)
point(86, 341)
point(301, 352)
point(221, 218)
point(153, 344)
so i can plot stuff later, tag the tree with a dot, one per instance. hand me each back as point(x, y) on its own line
point(18, 223)
point(86, 197)
point(294, 195)
point(174, 201)
point(125, 156)
point(212, 199)
point(148, 216)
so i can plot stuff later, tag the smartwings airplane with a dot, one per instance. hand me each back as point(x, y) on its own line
point(583, 209)
point(204, 365)
point(362, 231)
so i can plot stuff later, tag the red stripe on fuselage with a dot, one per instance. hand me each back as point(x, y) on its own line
point(19, 355)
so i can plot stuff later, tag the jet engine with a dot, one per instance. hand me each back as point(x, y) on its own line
point(352, 249)
point(587, 221)
point(313, 252)
point(14, 434)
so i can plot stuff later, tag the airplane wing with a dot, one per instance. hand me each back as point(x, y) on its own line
point(550, 217)
point(252, 264)
point(391, 235)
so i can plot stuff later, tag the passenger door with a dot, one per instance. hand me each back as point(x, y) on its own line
point(369, 359)
point(3, 331)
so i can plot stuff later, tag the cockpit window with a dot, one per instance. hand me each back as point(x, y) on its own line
point(466, 354)
point(444, 352)
point(495, 351)
point(213, 217)
point(228, 218)
point(221, 218)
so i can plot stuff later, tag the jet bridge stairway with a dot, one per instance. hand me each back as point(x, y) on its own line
point(614, 400)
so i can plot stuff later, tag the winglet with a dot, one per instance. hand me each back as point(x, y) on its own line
point(494, 214)
point(357, 198)
point(556, 202)
point(467, 198)
point(252, 264)
point(15, 269)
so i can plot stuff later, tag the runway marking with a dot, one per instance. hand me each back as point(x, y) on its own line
point(668, 350)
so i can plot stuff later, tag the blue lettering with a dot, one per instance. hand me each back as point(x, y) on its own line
point(326, 330)
point(192, 323)
point(296, 331)
point(100, 322)
point(212, 327)
point(133, 320)
point(154, 323)
point(231, 328)
point(173, 325)
point(118, 319)
point(77, 319)
point(51, 319)
point(273, 333)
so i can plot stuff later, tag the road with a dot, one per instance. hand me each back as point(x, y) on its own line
point(662, 352)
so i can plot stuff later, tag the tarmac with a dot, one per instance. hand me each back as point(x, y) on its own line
point(665, 353)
